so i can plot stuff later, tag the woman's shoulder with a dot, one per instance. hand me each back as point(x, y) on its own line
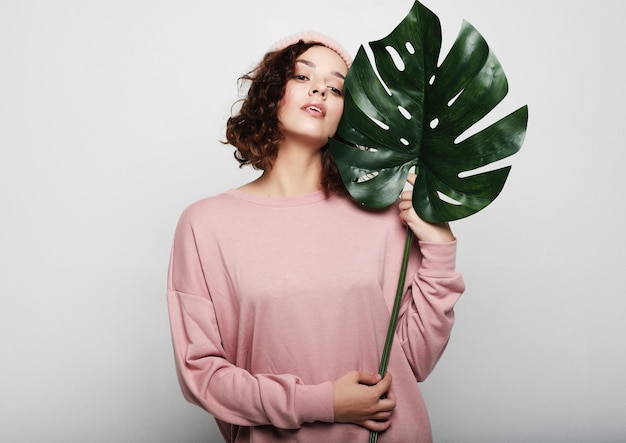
point(208, 207)
point(210, 201)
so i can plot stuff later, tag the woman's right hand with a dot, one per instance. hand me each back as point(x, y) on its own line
point(364, 399)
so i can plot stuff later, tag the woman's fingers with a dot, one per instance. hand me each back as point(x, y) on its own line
point(368, 379)
point(411, 178)
point(364, 399)
point(374, 425)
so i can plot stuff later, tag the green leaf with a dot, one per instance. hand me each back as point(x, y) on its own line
point(404, 111)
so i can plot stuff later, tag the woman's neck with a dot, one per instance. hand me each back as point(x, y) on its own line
point(294, 172)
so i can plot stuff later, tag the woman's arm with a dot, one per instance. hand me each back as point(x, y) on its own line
point(426, 314)
point(207, 377)
point(231, 393)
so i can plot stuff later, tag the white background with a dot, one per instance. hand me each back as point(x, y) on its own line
point(111, 114)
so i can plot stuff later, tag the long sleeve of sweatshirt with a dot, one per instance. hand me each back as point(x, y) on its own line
point(207, 376)
point(426, 316)
point(271, 300)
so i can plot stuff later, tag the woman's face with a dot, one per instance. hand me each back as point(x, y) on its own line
point(311, 108)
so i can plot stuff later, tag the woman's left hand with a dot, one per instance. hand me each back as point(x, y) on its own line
point(425, 231)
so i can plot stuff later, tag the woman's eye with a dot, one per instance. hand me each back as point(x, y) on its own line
point(335, 91)
point(300, 77)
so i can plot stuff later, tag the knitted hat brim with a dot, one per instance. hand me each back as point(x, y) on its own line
point(314, 37)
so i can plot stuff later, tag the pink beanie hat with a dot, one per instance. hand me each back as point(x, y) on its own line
point(313, 36)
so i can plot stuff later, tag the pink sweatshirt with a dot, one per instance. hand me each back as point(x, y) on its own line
point(271, 299)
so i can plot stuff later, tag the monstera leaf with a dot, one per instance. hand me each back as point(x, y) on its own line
point(405, 112)
point(408, 112)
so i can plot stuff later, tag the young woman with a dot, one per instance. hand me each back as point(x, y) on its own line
point(280, 291)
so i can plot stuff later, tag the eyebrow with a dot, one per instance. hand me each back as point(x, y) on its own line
point(313, 65)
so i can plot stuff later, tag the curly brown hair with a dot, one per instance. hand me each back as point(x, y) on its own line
point(254, 130)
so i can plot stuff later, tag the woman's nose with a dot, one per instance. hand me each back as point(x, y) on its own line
point(318, 90)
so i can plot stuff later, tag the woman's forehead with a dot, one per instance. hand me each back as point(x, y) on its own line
point(323, 58)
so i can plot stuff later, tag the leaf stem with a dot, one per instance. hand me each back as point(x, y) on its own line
point(391, 330)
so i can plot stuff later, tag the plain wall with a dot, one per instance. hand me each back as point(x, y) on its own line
point(111, 114)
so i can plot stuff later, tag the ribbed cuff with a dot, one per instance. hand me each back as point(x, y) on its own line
point(314, 403)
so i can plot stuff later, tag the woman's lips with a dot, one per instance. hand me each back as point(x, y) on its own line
point(315, 109)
